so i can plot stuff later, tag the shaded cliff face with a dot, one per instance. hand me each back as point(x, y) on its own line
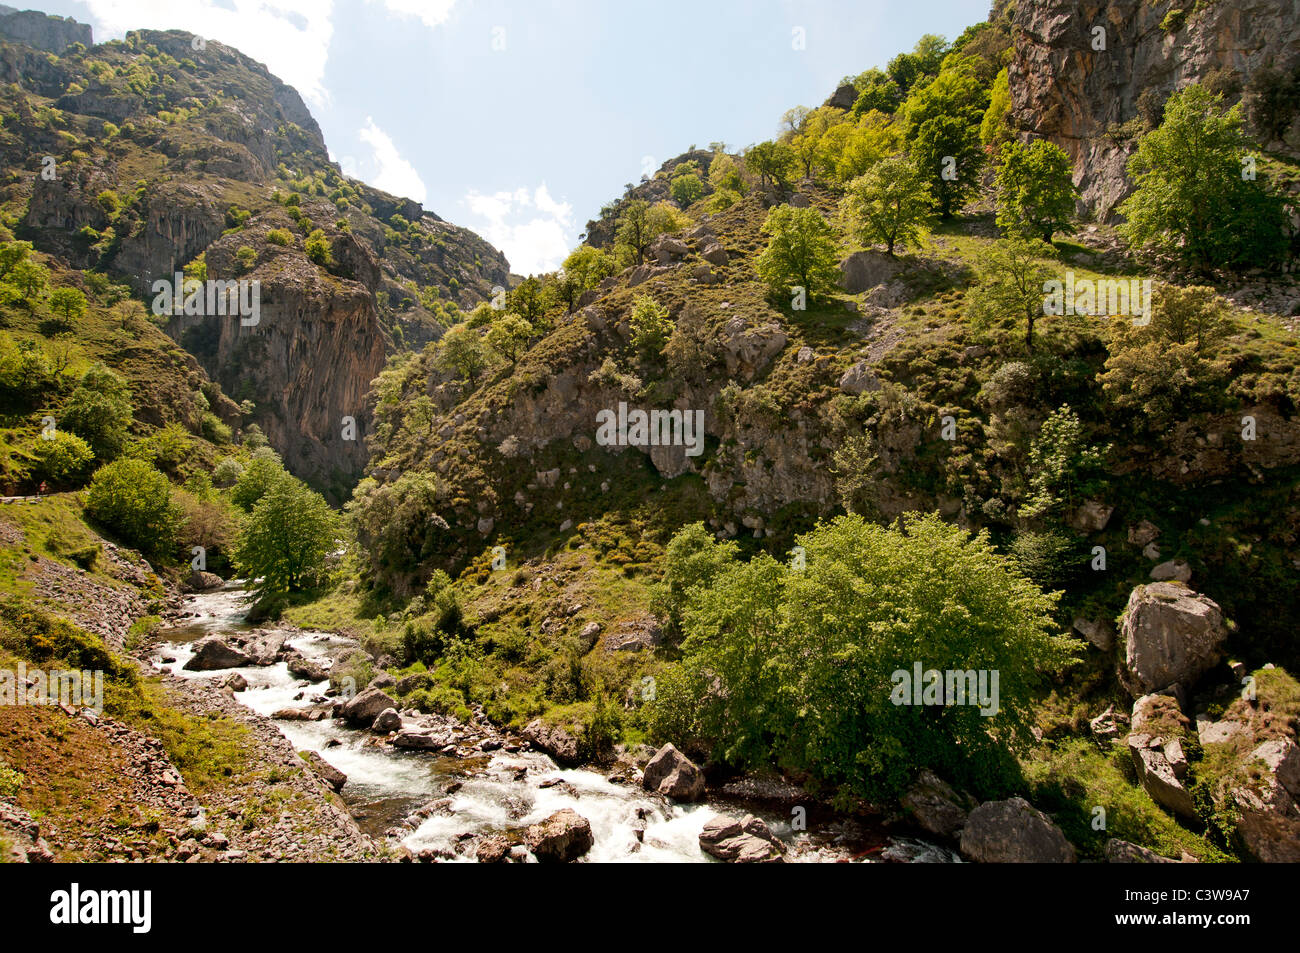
point(166, 156)
point(51, 34)
point(1079, 97)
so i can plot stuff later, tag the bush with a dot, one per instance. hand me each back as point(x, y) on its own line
point(134, 500)
point(279, 236)
point(318, 249)
point(801, 667)
point(62, 460)
point(227, 472)
point(256, 480)
point(99, 411)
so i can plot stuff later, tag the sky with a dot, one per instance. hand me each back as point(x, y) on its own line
point(521, 118)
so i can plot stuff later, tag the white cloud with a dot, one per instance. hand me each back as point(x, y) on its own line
point(386, 168)
point(431, 13)
point(532, 228)
point(292, 37)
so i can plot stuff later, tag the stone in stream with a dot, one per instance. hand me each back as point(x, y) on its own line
point(212, 653)
point(745, 841)
point(364, 708)
point(324, 770)
point(673, 775)
point(387, 720)
point(235, 682)
point(301, 667)
point(492, 849)
point(563, 837)
point(263, 648)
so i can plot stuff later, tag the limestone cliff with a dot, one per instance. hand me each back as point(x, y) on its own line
point(1081, 97)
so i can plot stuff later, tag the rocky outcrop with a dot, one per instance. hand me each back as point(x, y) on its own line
point(1065, 90)
point(745, 841)
point(673, 775)
point(1012, 831)
point(1171, 635)
point(1162, 767)
point(1123, 852)
point(52, 34)
point(563, 837)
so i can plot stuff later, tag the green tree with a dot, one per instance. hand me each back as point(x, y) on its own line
point(134, 501)
point(586, 267)
point(62, 459)
point(1193, 315)
point(650, 325)
point(68, 303)
point(692, 560)
point(28, 278)
point(99, 411)
point(318, 248)
point(1010, 285)
point(687, 189)
point(773, 162)
point(890, 204)
point(1035, 189)
point(508, 337)
point(800, 667)
point(461, 351)
point(288, 537)
point(801, 252)
point(256, 480)
point(1194, 197)
point(995, 127)
point(1060, 463)
point(947, 153)
point(633, 235)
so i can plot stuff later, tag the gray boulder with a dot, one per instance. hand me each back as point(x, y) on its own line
point(673, 775)
point(325, 771)
point(936, 806)
point(745, 841)
point(563, 837)
point(1171, 634)
point(1161, 767)
point(212, 653)
point(1013, 831)
point(553, 740)
point(363, 708)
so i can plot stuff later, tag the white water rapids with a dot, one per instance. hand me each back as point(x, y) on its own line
point(385, 784)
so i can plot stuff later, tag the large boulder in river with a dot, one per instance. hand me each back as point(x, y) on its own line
point(204, 581)
point(553, 740)
point(213, 652)
point(324, 770)
point(1171, 634)
point(745, 841)
point(673, 775)
point(364, 708)
point(1013, 832)
point(562, 837)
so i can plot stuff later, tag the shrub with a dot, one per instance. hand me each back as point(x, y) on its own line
point(134, 500)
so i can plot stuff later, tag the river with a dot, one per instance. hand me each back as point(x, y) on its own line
point(385, 784)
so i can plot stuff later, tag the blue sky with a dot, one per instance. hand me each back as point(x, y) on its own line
point(520, 119)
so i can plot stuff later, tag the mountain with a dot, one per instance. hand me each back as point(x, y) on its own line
point(169, 156)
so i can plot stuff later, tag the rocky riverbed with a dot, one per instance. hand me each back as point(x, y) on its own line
point(430, 787)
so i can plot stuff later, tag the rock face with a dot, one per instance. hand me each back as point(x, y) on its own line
point(744, 841)
point(673, 775)
point(1072, 94)
point(365, 707)
point(51, 34)
point(563, 837)
point(1171, 635)
point(1012, 831)
point(213, 653)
